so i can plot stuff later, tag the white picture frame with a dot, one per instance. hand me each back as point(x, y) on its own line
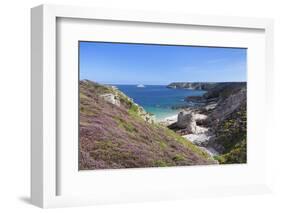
point(44, 150)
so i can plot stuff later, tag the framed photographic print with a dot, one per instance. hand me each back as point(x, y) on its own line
point(130, 106)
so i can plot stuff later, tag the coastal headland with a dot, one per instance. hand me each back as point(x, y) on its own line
point(218, 121)
point(115, 132)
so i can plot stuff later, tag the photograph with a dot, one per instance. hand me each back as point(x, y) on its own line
point(161, 105)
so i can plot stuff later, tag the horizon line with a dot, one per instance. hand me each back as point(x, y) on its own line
point(165, 84)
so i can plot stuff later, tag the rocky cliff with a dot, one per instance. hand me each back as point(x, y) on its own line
point(229, 126)
point(117, 133)
point(204, 85)
point(225, 108)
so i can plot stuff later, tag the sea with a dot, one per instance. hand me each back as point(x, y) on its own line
point(158, 99)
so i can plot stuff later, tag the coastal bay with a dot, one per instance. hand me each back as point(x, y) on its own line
point(204, 127)
point(199, 100)
point(159, 100)
point(151, 105)
point(116, 132)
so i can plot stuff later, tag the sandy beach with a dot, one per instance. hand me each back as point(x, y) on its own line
point(169, 120)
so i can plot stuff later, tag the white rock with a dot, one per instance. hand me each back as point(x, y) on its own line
point(111, 98)
point(200, 117)
point(186, 121)
point(197, 138)
point(211, 106)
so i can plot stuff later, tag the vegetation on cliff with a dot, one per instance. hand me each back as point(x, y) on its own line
point(231, 135)
point(225, 106)
point(117, 133)
point(229, 122)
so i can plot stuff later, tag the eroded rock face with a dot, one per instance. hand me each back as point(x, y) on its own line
point(228, 106)
point(186, 121)
point(220, 123)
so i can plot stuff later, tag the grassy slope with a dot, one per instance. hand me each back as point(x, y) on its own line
point(117, 137)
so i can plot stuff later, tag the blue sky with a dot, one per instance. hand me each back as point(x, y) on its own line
point(115, 63)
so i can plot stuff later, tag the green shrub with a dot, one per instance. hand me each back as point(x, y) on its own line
point(160, 163)
point(125, 125)
point(162, 144)
point(237, 155)
point(178, 157)
point(134, 109)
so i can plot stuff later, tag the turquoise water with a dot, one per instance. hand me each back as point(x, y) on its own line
point(158, 99)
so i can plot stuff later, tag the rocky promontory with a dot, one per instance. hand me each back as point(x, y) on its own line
point(223, 123)
point(208, 86)
point(192, 85)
